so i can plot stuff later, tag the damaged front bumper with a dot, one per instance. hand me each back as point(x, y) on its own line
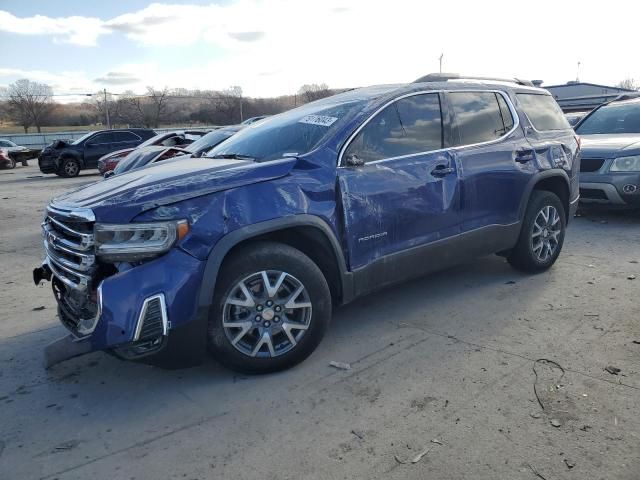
point(146, 313)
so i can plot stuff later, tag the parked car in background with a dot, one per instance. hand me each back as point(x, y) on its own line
point(251, 120)
point(67, 159)
point(247, 251)
point(610, 165)
point(143, 156)
point(17, 152)
point(574, 117)
point(178, 138)
point(5, 159)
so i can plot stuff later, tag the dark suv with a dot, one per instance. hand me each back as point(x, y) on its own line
point(246, 251)
point(67, 159)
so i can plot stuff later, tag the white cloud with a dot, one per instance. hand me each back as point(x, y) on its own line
point(76, 30)
point(272, 47)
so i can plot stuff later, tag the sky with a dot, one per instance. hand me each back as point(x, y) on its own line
point(272, 47)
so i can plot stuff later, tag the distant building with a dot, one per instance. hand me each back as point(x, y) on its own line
point(582, 96)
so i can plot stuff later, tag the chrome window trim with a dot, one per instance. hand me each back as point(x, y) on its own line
point(163, 313)
point(507, 99)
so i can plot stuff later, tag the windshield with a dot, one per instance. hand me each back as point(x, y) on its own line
point(291, 133)
point(210, 140)
point(613, 118)
point(82, 138)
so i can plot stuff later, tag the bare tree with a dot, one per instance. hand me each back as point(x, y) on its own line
point(159, 103)
point(314, 91)
point(30, 103)
point(629, 84)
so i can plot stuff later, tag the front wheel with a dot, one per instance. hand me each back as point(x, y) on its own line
point(542, 233)
point(11, 163)
point(69, 168)
point(271, 309)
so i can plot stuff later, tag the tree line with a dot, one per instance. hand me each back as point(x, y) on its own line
point(31, 104)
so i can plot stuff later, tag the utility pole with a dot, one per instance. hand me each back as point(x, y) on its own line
point(241, 119)
point(578, 73)
point(106, 109)
point(441, 55)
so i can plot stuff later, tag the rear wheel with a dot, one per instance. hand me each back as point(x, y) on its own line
point(542, 233)
point(271, 308)
point(70, 167)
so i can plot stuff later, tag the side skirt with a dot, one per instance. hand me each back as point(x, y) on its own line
point(414, 262)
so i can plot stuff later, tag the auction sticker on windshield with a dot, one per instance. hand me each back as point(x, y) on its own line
point(322, 120)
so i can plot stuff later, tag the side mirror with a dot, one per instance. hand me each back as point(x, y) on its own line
point(109, 174)
point(353, 160)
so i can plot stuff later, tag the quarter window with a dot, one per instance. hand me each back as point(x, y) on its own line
point(408, 126)
point(480, 116)
point(543, 111)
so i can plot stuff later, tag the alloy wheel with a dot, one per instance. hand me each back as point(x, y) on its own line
point(71, 168)
point(266, 314)
point(547, 227)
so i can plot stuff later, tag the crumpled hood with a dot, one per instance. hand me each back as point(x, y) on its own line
point(122, 197)
point(608, 145)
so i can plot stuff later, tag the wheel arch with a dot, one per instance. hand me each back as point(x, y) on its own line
point(555, 181)
point(307, 233)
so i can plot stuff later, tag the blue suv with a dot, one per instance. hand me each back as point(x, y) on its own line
point(245, 251)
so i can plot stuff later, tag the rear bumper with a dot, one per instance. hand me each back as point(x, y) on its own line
point(619, 189)
point(148, 313)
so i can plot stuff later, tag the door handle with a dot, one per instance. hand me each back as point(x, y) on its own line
point(524, 155)
point(442, 170)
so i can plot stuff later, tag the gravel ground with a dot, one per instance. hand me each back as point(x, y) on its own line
point(441, 382)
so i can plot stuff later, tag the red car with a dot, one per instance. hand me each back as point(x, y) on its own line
point(178, 138)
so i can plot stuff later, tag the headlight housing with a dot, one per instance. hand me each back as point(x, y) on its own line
point(626, 164)
point(137, 241)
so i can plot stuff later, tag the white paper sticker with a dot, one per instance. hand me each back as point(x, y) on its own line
point(322, 120)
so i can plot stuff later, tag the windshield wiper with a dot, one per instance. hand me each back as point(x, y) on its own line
point(233, 156)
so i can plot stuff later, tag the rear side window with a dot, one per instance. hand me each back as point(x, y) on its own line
point(543, 111)
point(125, 137)
point(409, 126)
point(480, 117)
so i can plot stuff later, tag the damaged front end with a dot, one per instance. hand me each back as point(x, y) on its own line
point(77, 275)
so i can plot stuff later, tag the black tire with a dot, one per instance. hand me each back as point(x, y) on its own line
point(69, 168)
point(11, 164)
point(251, 260)
point(523, 257)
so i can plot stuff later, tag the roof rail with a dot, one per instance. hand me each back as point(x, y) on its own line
point(443, 77)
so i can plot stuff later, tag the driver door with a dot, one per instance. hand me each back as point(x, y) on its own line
point(399, 185)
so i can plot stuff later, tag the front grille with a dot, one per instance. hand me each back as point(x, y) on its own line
point(593, 194)
point(68, 243)
point(591, 164)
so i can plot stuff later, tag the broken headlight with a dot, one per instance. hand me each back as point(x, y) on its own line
point(137, 241)
point(626, 164)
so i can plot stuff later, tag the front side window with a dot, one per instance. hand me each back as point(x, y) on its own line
point(480, 117)
point(613, 118)
point(408, 126)
point(543, 111)
point(100, 139)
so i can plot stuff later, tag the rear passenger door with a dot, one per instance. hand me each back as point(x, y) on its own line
point(492, 155)
point(405, 192)
point(97, 146)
